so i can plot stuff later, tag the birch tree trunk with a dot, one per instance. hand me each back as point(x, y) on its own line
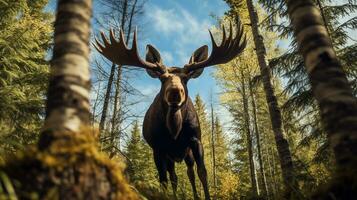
point(286, 162)
point(263, 183)
point(67, 107)
point(248, 134)
point(67, 164)
point(338, 106)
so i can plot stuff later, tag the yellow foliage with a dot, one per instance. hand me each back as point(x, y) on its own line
point(229, 185)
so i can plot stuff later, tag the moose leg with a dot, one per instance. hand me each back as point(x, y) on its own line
point(197, 151)
point(161, 166)
point(191, 173)
point(173, 176)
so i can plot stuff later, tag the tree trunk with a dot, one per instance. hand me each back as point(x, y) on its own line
point(257, 135)
point(111, 76)
point(274, 185)
point(66, 164)
point(116, 114)
point(106, 98)
point(131, 20)
point(95, 104)
point(249, 136)
point(274, 110)
point(116, 119)
point(338, 106)
point(67, 107)
point(214, 168)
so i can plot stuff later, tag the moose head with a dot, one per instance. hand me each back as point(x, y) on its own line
point(174, 79)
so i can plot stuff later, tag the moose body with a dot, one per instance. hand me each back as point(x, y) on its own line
point(158, 136)
point(168, 149)
point(171, 126)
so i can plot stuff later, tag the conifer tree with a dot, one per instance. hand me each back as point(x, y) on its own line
point(25, 38)
point(141, 168)
point(285, 157)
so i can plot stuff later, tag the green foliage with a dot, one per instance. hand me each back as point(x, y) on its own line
point(340, 22)
point(141, 167)
point(24, 43)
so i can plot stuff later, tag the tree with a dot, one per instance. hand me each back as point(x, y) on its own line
point(141, 168)
point(223, 168)
point(200, 108)
point(274, 110)
point(24, 42)
point(338, 19)
point(262, 180)
point(338, 106)
point(118, 15)
point(66, 164)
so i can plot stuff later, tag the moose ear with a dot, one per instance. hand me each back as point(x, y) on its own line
point(199, 55)
point(152, 56)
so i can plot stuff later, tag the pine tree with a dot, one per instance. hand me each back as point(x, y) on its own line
point(200, 108)
point(25, 38)
point(282, 144)
point(141, 168)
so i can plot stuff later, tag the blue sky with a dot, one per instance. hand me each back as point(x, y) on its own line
point(177, 29)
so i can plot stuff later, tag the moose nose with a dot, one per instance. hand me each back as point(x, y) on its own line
point(174, 95)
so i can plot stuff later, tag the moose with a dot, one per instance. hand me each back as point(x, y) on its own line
point(171, 126)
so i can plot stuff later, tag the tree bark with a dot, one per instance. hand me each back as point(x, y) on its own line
point(106, 98)
point(257, 135)
point(66, 164)
point(111, 77)
point(68, 107)
point(338, 106)
point(116, 113)
point(286, 162)
point(214, 168)
point(249, 135)
point(116, 119)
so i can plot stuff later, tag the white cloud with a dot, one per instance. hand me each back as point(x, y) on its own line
point(167, 57)
point(149, 90)
point(164, 21)
point(189, 31)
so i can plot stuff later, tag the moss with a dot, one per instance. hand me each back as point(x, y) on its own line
point(70, 167)
point(152, 193)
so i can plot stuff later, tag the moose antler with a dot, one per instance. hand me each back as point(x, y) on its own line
point(119, 53)
point(230, 47)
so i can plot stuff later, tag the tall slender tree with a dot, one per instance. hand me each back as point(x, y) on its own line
point(213, 150)
point(282, 144)
point(274, 110)
point(338, 106)
point(262, 180)
point(243, 91)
